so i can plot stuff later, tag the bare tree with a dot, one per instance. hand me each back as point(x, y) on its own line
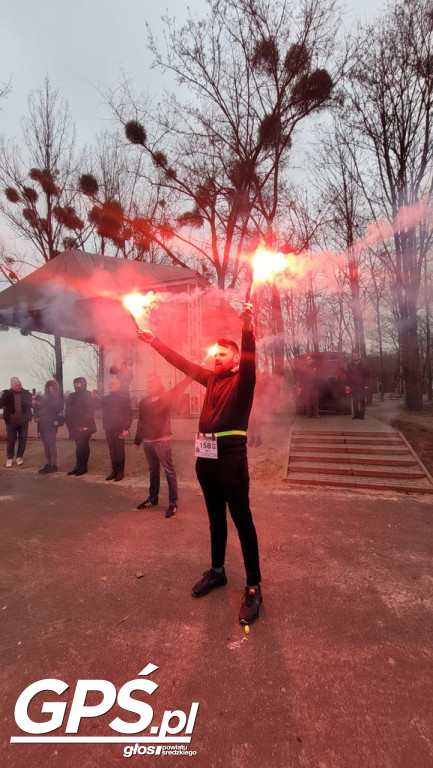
point(341, 195)
point(390, 109)
point(42, 363)
point(427, 301)
point(40, 201)
point(378, 284)
point(88, 357)
point(251, 72)
point(5, 89)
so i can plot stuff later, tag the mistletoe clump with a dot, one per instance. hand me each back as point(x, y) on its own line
point(135, 133)
point(88, 185)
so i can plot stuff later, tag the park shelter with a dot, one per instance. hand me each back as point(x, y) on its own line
point(78, 295)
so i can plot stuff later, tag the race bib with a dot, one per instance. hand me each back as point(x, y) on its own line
point(206, 447)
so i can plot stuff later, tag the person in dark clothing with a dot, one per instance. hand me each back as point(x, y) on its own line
point(47, 410)
point(116, 420)
point(80, 421)
point(154, 430)
point(17, 413)
point(124, 374)
point(221, 452)
point(308, 387)
point(357, 376)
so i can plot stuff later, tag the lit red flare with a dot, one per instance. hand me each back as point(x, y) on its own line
point(138, 305)
point(211, 352)
point(266, 264)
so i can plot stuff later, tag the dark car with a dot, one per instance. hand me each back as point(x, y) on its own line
point(331, 376)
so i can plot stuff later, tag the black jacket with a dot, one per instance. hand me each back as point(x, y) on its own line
point(47, 409)
point(154, 413)
point(229, 397)
point(80, 412)
point(7, 402)
point(116, 412)
point(308, 378)
point(357, 375)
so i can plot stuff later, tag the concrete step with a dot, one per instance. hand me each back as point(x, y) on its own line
point(359, 470)
point(397, 450)
point(365, 460)
point(354, 433)
point(354, 458)
point(333, 481)
point(345, 440)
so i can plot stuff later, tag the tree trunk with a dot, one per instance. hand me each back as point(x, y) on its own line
point(58, 361)
point(428, 364)
point(358, 321)
point(411, 364)
point(277, 317)
point(381, 363)
point(101, 366)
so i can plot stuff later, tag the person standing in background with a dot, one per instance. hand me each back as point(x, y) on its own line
point(116, 420)
point(357, 376)
point(17, 413)
point(308, 387)
point(154, 431)
point(47, 410)
point(80, 421)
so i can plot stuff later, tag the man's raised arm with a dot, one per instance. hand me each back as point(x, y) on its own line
point(193, 370)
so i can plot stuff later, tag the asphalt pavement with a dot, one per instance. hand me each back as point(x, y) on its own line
point(337, 672)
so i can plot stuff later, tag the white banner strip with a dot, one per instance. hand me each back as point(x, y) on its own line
point(100, 740)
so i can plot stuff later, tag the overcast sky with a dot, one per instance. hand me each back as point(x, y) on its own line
point(80, 45)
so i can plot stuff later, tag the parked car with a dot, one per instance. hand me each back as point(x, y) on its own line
point(331, 374)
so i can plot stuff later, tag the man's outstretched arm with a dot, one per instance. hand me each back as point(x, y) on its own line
point(194, 371)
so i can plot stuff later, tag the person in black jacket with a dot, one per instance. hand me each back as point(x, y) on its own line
point(357, 376)
point(47, 410)
point(80, 421)
point(154, 430)
point(221, 451)
point(17, 413)
point(308, 387)
point(116, 420)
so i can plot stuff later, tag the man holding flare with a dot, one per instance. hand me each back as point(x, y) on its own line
point(221, 453)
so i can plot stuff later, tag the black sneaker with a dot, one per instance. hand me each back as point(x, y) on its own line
point(250, 606)
point(211, 579)
point(147, 503)
point(52, 468)
point(43, 471)
point(172, 509)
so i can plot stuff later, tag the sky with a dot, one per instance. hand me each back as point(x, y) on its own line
point(82, 45)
